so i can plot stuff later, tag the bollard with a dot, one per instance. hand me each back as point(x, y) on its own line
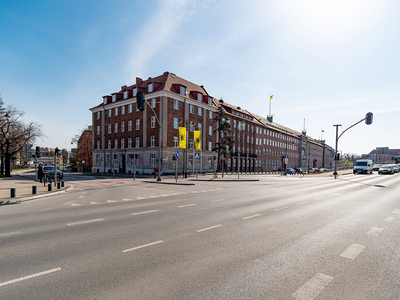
point(58, 185)
point(49, 188)
point(62, 183)
point(12, 193)
point(34, 189)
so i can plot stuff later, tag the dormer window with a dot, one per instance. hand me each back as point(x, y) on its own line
point(199, 96)
point(209, 100)
point(150, 87)
point(104, 100)
point(134, 92)
point(182, 90)
point(125, 94)
point(114, 97)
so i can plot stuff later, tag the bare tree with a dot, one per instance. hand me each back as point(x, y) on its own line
point(14, 133)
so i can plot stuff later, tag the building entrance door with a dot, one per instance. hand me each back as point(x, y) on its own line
point(123, 163)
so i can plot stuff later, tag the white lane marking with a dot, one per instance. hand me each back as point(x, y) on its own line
point(253, 216)
point(375, 231)
point(94, 203)
point(30, 276)
point(208, 228)
point(396, 211)
point(313, 287)
point(277, 209)
point(389, 219)
point(81, 197)
point(75, 204)
point(195, 192)
point(68, 202)
point(320, 198)
point(218, 200)
point(352, 251)
point(143, 246)
point(187, 205)
point(301, 203)
point(154, 196)
point(140, 198)
point(85, 222)
point(144, 212)
point(10, 233)
point(84, 192)
point(127, 199)
point(111, 201)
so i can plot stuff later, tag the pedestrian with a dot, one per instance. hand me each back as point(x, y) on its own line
point(40, 173)
point(155, 171)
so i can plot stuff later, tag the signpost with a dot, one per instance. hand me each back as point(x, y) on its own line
point(175, 158)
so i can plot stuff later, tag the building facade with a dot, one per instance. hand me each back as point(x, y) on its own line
point(85, 150)
point(120, 131)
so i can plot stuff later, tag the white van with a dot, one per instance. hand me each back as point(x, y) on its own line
point(363, 166)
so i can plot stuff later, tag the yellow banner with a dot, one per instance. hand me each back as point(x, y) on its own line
point(197, 139)
point(182, 137)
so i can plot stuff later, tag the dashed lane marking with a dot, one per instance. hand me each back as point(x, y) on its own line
point(396, 211)
point(143, 246)
point(10, 233)
point(352, 251)
point(187, 205)
point(208, 228)
point(313, 287)
point(219, 200)
point(281, 208)
point(143, 212)
point(389, 219)
point(76, 204)
point(375, 231)
point(85, 222)
point(253, 216)
point(301, 203)
point(30, 276)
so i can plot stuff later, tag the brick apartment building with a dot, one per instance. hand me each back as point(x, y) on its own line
point(85, 150)
point(120, 129)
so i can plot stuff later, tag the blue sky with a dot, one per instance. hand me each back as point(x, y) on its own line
point(328, 62)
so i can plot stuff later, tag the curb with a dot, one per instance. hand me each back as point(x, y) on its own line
point(22, 199)
point(175, 183)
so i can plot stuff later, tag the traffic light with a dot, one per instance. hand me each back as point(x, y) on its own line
point(337, 156)
point(368, 118)
point(56, 151)
point(37, 152)
point(140, 103)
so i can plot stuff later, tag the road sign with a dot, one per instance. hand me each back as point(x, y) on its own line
point(286, 156)
point(197, 155)
point(140, 159)
point(304, 156)
point(177, 153)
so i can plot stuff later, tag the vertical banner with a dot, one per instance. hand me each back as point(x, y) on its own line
point(182, 137)
point(197, 139)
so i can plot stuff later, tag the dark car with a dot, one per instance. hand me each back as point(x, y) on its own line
point(299, 171)
point(387, 169)
point(49, 172)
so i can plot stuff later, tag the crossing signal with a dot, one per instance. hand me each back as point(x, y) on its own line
point(140, 103)
point(368, 118)
point(37, 152)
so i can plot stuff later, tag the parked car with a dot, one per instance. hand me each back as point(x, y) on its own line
point(299, 171)
point(386, 169)
point(395, 168)
point(290, 171)
point(49, 172)
point(376, 167)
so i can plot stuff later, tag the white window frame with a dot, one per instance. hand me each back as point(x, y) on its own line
point(153, 122)
point(137, 124)
point(152, 141)
point(176, 124)
point(176, 104)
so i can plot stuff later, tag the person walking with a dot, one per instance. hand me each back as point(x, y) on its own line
point(155, 171)
point(40, 173)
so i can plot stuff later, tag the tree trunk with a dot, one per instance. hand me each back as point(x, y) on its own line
point(7, 162)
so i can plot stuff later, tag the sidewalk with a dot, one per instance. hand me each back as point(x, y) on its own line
point(23, 189)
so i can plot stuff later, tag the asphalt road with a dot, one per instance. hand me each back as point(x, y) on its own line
point(278, 238)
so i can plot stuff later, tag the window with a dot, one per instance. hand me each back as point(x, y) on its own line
point(209, 146)
point(176, 141)
point(191, 127)
point(176, 104)
point(182, 90)
point(129, 125)
point(210, 162)
point(199, 96)
point(122, 110)
point(122, 126)
point(115, 144)
point(116, 111)
point(209, 130)
point(129, 142)
point(153, 122)
point(199, 126)
point(137, 142)
point(109, 144)
point(150, 87)
point(200, 111)
point(109, 113)
point(98, 130)
point(114, 97)
point(153, 141)
point(108, 159)
point(98, 144)
point(98, 115)
point(109, 128)
point(115, 127)
point(152, 159)
point(137, 124)
point(125, 94)
point(190, 160)
point(129, 108)
point(153, 102)
point(190, 143)
point(134, 92)
point(209, 100)
point(122, 143)
point(191, 108)
point(210, 115)
point(176, 125)
point(105, 100)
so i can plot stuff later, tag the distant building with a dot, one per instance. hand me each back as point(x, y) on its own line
point(85, 151)
point(383, 155)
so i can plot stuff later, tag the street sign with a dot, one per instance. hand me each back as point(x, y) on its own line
point(140, 159)
point(177, 153)
point(197, 155)
point(304, 156)
point(286, 156)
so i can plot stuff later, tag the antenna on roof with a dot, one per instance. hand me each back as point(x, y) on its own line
point(270, 117)
point(304, 132)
